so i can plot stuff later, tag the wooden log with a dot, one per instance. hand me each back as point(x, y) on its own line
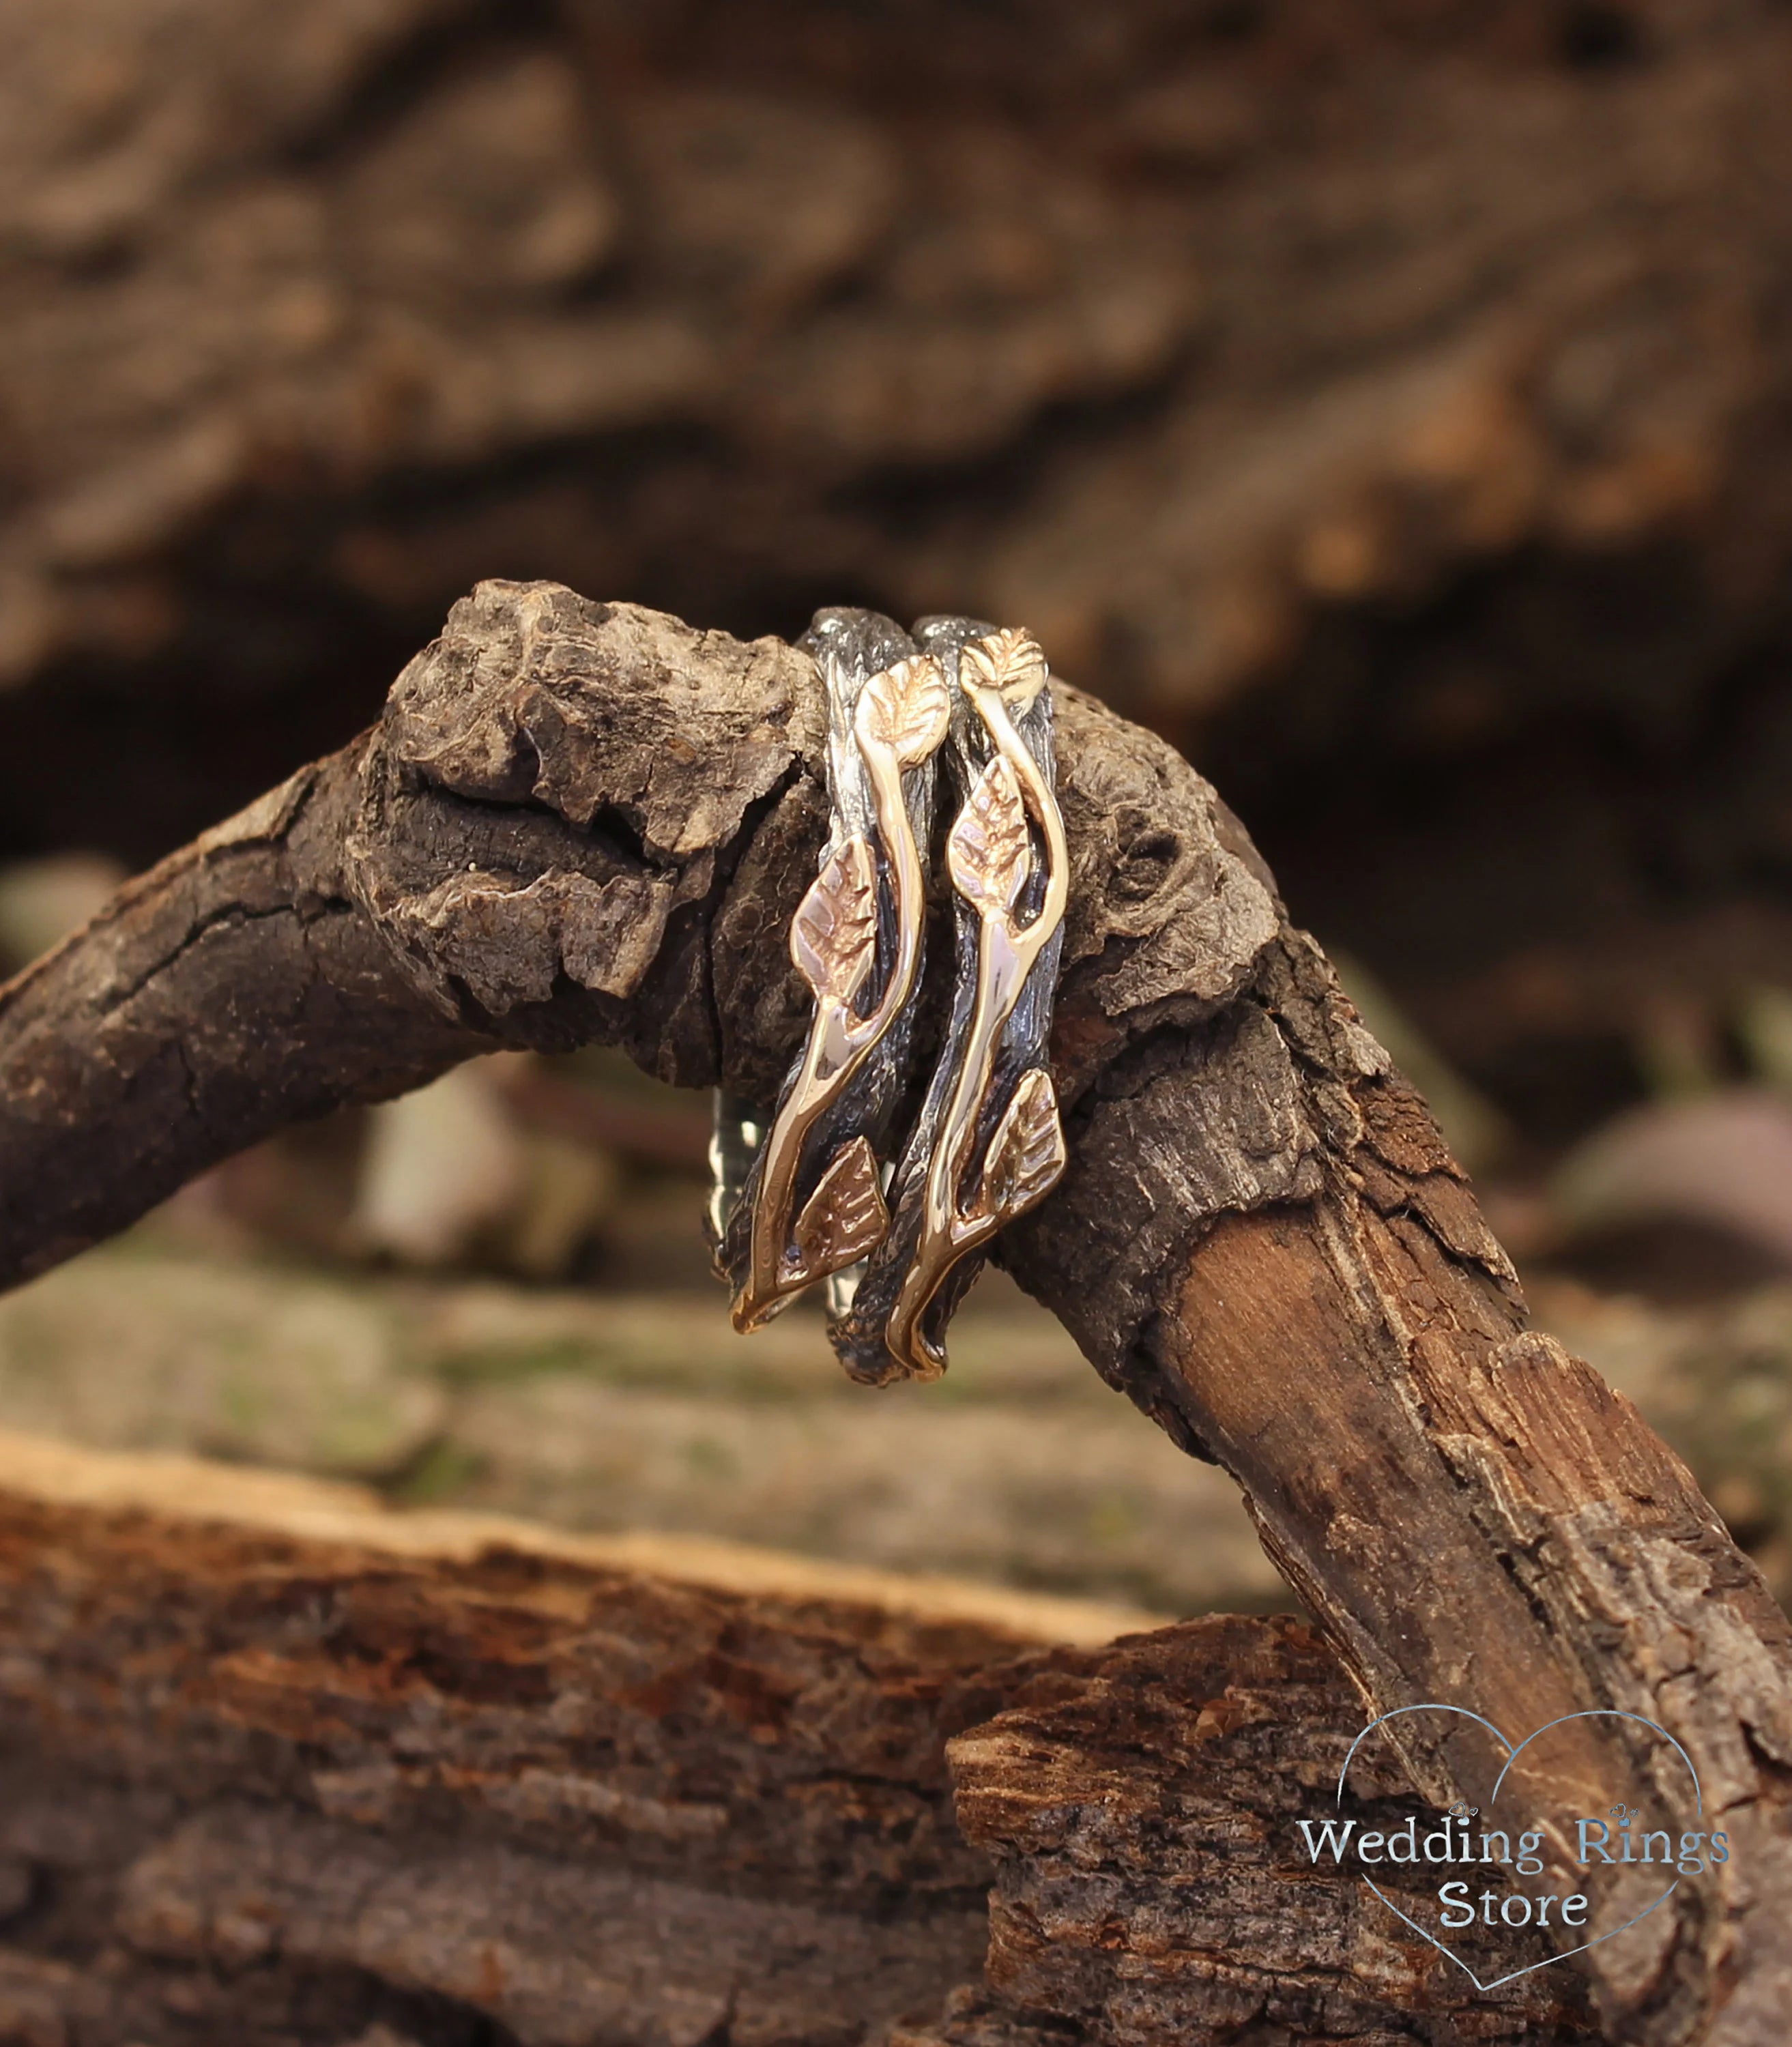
point(1228, 320)
point(280, 1764)
point(578, 821)
point(1153, 1884)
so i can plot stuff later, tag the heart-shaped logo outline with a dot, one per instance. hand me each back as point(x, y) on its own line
point(1512, 1755)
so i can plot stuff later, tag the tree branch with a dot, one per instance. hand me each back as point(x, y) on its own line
point(577, 822)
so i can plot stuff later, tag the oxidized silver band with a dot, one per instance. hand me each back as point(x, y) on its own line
point(970, 705)
point(813, 1203)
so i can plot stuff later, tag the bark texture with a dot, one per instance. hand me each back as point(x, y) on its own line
point(1396, 289)
point(286, 1790)
point(1152, 1881)
point(1436, 348)
point(581, 821)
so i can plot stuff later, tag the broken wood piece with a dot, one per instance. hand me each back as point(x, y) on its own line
point(280, 1766)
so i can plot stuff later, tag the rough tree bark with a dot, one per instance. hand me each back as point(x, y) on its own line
point(579, 821)
point(279, 1767)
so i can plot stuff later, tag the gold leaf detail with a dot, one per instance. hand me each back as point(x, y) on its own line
point(834, 934)
point(1010, 661)
point(906, 709)
point(1027, 1155)
point(989, 853)
point(843, 1219)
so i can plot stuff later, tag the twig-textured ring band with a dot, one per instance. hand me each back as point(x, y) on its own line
point(898, 1221)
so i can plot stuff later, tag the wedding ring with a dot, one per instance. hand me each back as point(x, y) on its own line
point(988, 1143)
point(811, 1203)
point(808, 1195)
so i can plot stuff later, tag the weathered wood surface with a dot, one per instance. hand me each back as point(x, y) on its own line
point(1227, 318)
point(581, 821)
point(275, 1787)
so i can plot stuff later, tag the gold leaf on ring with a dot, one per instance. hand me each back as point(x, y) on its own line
point(1010, 661)
point(988, 853)
point(843, 1219)
point(1027, 1155)
point(906, 709)
point(834, 934)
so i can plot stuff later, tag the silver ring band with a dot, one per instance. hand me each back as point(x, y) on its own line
point(967, 706)
point(813, 1203)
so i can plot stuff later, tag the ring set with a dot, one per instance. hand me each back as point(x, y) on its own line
point(895, 1220)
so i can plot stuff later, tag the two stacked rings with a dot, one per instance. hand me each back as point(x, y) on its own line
point(894, 1211)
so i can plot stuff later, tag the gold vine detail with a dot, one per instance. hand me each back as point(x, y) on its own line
point(899, 722)
point(990, 858)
